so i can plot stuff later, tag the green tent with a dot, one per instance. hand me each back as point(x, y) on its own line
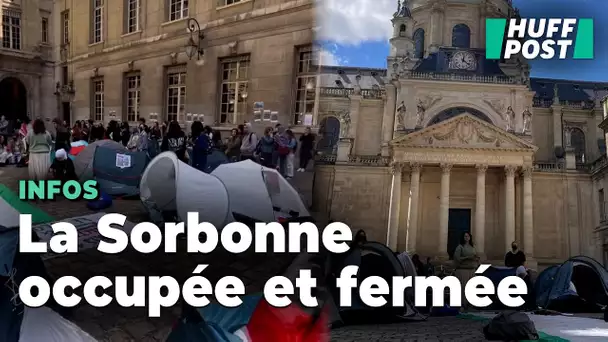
point(11, 206)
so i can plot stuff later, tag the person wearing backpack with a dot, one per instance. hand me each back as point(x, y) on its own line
point(281, 140)
point(249, 143)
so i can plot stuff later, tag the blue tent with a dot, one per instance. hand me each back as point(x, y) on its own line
point(118, 172)
point(578, 285)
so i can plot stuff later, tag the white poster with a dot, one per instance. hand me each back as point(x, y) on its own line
point(123, 161)
point(307, 119)
point(88, 236)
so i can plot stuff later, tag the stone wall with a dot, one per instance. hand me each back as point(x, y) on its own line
point(563, 208)
point(270, 32)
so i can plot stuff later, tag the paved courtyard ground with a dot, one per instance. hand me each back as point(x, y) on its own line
point(117, 324)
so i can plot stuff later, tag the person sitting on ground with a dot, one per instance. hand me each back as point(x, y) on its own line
point(515, 257)
point(359, 239)
point(63, 167)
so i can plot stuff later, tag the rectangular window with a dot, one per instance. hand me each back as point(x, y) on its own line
point(11, 29)
point(132, 16)
point(133, 97)
point(98, 99)
point(178, 9)
point(221, 3)
point(97, 21)
point(45, 30)
point(235, 79)
point(176, 96)
point(65, 27)
point(306, 80)
point(602, 205)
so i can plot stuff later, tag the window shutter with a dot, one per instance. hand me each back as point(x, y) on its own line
point(167, 9)
point(91, 23)
point(125, 16)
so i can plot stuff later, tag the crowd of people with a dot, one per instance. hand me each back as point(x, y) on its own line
point(31, 144)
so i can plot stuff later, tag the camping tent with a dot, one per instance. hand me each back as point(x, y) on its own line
point(259, 192)
point(245, 190)
point(578, 285)
point(116, 169)
point(214, 159)
point(172, 187)
point(83, 164)
point(373, 259)
point(17, 322)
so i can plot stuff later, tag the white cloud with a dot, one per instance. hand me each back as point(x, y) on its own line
point(351, 22)
point(329, 56)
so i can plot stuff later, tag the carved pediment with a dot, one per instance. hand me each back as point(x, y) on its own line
point(464, 131)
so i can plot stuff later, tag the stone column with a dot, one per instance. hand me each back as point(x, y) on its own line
point(509, 206)
point(388, 118)
point(480, 210)
point(315, 112)
point(528, 213)
point(355, 106)
point(558, 132)
point(412, 224)
point(394, 208)
point(444, 209)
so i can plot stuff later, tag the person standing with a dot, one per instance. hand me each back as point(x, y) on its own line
point(201, 146)
point(290, 160)
point(466, 262)
point(39, 144)
point(175, 141)
point(249, 143)
point(62, 136)
point(515, 257)
point(233, 145)
point(267, 148)
point(307, 141)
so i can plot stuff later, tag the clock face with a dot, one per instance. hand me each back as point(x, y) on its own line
point(463, 60)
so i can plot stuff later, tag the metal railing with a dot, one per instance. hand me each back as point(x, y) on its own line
point(546, 103)
point(462, 78)
point(346, 92)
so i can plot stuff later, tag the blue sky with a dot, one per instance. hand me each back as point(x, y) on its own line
point(355, 32)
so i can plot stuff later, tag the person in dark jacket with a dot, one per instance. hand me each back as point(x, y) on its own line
point(201, 146)
point(515, 257)
point(125, 133)
point(113, 132)
point(175, 140)
point(62, 136)
point(63, 167)
point(307, 142)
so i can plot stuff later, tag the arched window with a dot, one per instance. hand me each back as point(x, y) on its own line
point(329, 132)
point(461, 36)
point(577, 138)
point(419, 43)
point(402, 30)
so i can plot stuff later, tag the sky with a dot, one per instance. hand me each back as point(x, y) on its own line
point(356, 32)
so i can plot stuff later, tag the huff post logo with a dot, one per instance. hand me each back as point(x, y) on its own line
point(544, 38)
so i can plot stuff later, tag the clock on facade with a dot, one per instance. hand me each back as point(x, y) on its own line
point(463, 60)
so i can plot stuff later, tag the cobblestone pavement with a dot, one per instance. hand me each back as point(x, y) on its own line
point(433, 329)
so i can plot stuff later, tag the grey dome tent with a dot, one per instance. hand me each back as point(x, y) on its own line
point(580, 284)
point(373, 259)
point(117, 170)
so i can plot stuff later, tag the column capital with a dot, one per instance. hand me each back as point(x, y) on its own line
point(526, 171)
point(415, 167)
point(510, 170)
point(446, 168)
point(396, 167)
point(481, 168)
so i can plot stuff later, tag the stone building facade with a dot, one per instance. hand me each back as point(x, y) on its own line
point(445, 141)
point(127, 59)
point(26, 59)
